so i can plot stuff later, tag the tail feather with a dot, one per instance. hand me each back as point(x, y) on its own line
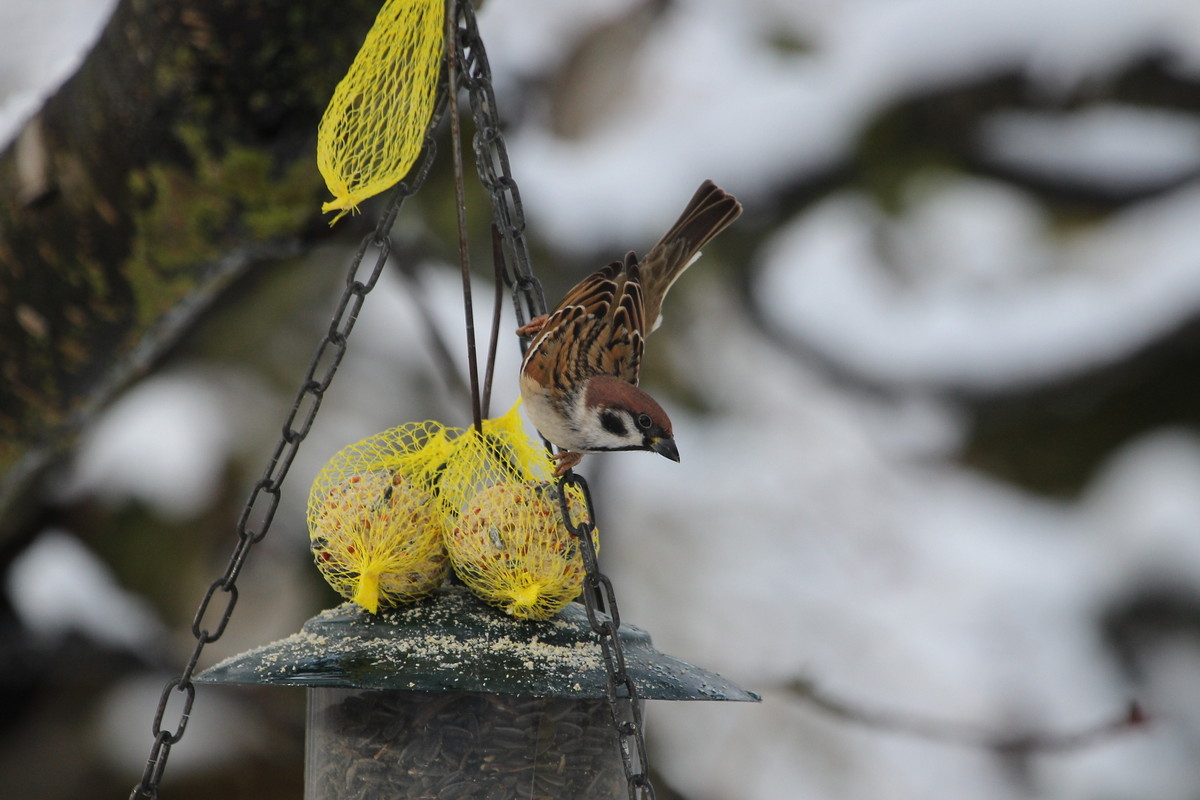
point(710, 211)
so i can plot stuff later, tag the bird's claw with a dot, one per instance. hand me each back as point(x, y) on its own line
point(534, 326)
point(566, 461)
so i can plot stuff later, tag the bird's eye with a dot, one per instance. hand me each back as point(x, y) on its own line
point(644, 422)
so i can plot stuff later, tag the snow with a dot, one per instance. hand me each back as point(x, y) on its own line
point(970, 287)
point(44, 42)
point(165, 443)
point(221, 729)
point(1119, 147)
point(1142, 511)
point(58, 587)
point(751, 118)
point(790, 543)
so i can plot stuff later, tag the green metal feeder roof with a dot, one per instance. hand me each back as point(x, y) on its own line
point(454, 642)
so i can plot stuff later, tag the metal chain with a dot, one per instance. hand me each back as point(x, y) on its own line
point(620, 690)
point(264, 499)
point(491, 158)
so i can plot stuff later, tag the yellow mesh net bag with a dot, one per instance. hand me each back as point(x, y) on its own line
point(375, 525)
point(505, 533)
point(511, 548)
point(372, 130)
point(385, 513)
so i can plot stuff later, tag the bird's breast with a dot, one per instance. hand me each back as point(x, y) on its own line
point(551, 418)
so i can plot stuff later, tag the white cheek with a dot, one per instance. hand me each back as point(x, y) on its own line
point(589, 435)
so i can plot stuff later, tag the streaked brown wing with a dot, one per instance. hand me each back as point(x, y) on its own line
point(596, 330)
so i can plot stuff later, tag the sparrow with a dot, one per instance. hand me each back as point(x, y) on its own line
point(579, 376)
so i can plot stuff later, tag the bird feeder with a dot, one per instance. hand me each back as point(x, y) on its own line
point(452, 699)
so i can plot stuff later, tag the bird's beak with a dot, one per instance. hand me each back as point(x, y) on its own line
point(666, 447)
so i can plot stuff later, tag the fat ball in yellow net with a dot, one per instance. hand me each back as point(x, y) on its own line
point(375, 525)
point(384, 514)
point(505, 532)
point(374, 126)
point(512, 548)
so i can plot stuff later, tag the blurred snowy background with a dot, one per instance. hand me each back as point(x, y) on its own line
point(936, 395)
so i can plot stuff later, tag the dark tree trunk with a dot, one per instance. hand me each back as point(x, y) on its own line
point(178, 156)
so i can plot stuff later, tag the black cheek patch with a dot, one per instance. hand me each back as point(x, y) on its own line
point(612, 423)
